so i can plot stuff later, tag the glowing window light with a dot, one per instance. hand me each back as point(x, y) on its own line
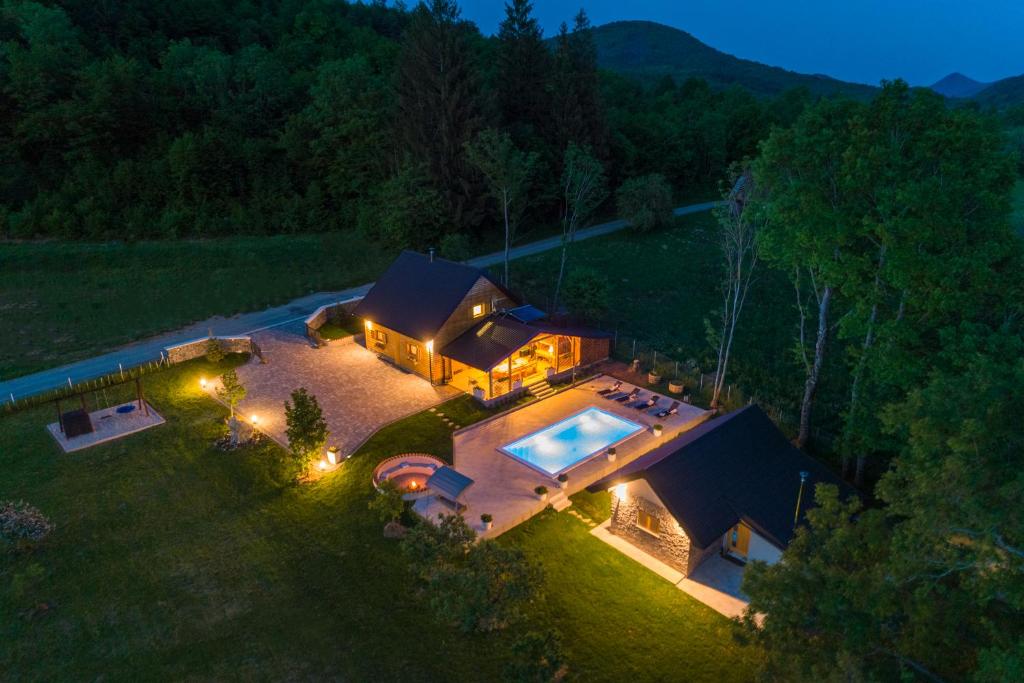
point(620, 491)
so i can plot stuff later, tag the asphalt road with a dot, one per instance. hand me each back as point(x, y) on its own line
point(149, 350)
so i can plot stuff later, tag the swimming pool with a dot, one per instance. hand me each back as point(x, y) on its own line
point(559, 447)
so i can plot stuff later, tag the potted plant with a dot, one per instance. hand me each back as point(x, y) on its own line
point(478, 393)
point(542, 492)
point(676, 386)
point(488, 521)
point(653, 377)
point(563, 480)
point(612, 454)
point(657, 429)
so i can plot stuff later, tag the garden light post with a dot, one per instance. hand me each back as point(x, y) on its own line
point(799, 497)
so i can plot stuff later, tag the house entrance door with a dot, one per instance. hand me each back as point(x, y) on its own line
point(737, 541)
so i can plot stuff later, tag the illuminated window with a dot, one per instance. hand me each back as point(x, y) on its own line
point(478, 310)
point(646, 521)
point(412, 351)
point(379, 337)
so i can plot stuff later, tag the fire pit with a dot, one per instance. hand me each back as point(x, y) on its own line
point(409, 472)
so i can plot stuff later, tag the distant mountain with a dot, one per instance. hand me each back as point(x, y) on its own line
point(1003, 93)
point(648, 51)
point(958, 85)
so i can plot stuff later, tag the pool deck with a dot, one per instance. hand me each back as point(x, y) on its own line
point(503, 486)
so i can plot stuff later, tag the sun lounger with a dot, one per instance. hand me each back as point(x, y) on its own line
point(616, 395)
point(638, 403)
point(649, 403)
point(612, 389)
point(631, 396)
point(665, 412)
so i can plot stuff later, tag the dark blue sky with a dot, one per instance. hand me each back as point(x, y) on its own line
point(855, 40)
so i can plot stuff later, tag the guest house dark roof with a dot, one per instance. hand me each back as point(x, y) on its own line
point(489, 342)
point(738, 467)
point(417, 294)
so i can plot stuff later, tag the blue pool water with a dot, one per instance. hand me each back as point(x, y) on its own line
point(565, 444)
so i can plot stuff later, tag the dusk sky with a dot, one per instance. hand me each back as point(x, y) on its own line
point(855, 40)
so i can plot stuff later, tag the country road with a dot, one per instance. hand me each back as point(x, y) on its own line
point(151, 349)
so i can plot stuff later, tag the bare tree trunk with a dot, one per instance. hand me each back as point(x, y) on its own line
point(814, 374)
point(508, 233)
point(858, 373)
point(561, 272)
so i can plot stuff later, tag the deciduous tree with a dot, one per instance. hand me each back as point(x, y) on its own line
point(306, 428)
point(583, 190)
point(646, 202)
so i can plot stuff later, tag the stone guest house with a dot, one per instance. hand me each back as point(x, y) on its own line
point(731, 486)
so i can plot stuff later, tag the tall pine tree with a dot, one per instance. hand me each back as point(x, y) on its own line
point(524, 65)
point(576, 106)
point(438, 106)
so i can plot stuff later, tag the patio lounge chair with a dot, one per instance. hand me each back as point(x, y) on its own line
point(665, 412)
point(615, 395)
point(637, 403)
point(649, 403)
point(631, 396)
point(610, 390)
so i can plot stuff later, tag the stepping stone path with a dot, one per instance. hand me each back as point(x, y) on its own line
point(447, 420)
point(583, 518)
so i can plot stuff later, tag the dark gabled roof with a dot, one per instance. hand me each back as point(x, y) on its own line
point(416, 295)
point(448, 482)
point(738, 467)
point(571, 330)
point(489, 342)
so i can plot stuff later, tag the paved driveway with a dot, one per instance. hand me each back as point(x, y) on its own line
point(359, 394)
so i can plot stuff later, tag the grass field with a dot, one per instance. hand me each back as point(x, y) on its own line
point(60, 302)
point(172, 560)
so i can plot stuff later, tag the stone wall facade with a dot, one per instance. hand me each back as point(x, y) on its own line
point(671, 545)
point(197, 348)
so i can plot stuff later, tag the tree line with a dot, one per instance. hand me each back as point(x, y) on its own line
point(193, 119)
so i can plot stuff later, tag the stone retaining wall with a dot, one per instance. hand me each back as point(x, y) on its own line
point(329, 313)
point(197, 347)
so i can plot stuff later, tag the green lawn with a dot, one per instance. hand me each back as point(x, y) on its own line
point(60, 302)
point(174, 560)
point(341, 329)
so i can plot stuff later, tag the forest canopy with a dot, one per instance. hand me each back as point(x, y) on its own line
point(195, 118)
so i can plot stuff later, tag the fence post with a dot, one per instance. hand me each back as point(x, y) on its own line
point(702, 381)
point(634, 349)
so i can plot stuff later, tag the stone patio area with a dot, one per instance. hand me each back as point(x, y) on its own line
point(503, 486)
point(358, 392)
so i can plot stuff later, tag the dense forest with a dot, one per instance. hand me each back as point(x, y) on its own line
point(888, 221)
point(199, 118)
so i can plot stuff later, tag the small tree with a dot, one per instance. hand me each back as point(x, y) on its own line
point(306, 428)
point(21, 522)
point(388, 503)
point(508, 171)
point(646, 202)
point(214, 350)
point(586, 293)
point(539, 658)
point(738, 239)
point(583, 190)
point(231, 390)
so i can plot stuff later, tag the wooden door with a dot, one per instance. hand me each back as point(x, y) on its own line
point(738, 540)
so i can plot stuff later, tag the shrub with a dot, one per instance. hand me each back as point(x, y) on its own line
point(388, 504)
point(20, 522)
point(586, 293)
point(214, 350)
point(541, 490)
point(538, 658)
point(486, 518)
point(646, 202)
point(477, 586)
point(563, 477)
point(306, 428)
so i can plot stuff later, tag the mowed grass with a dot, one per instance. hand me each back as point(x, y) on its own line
point(173, 560)
point(60, 302)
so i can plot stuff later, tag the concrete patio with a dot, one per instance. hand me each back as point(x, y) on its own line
point(108, 425)
point(358, 393)
point(504, 487)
